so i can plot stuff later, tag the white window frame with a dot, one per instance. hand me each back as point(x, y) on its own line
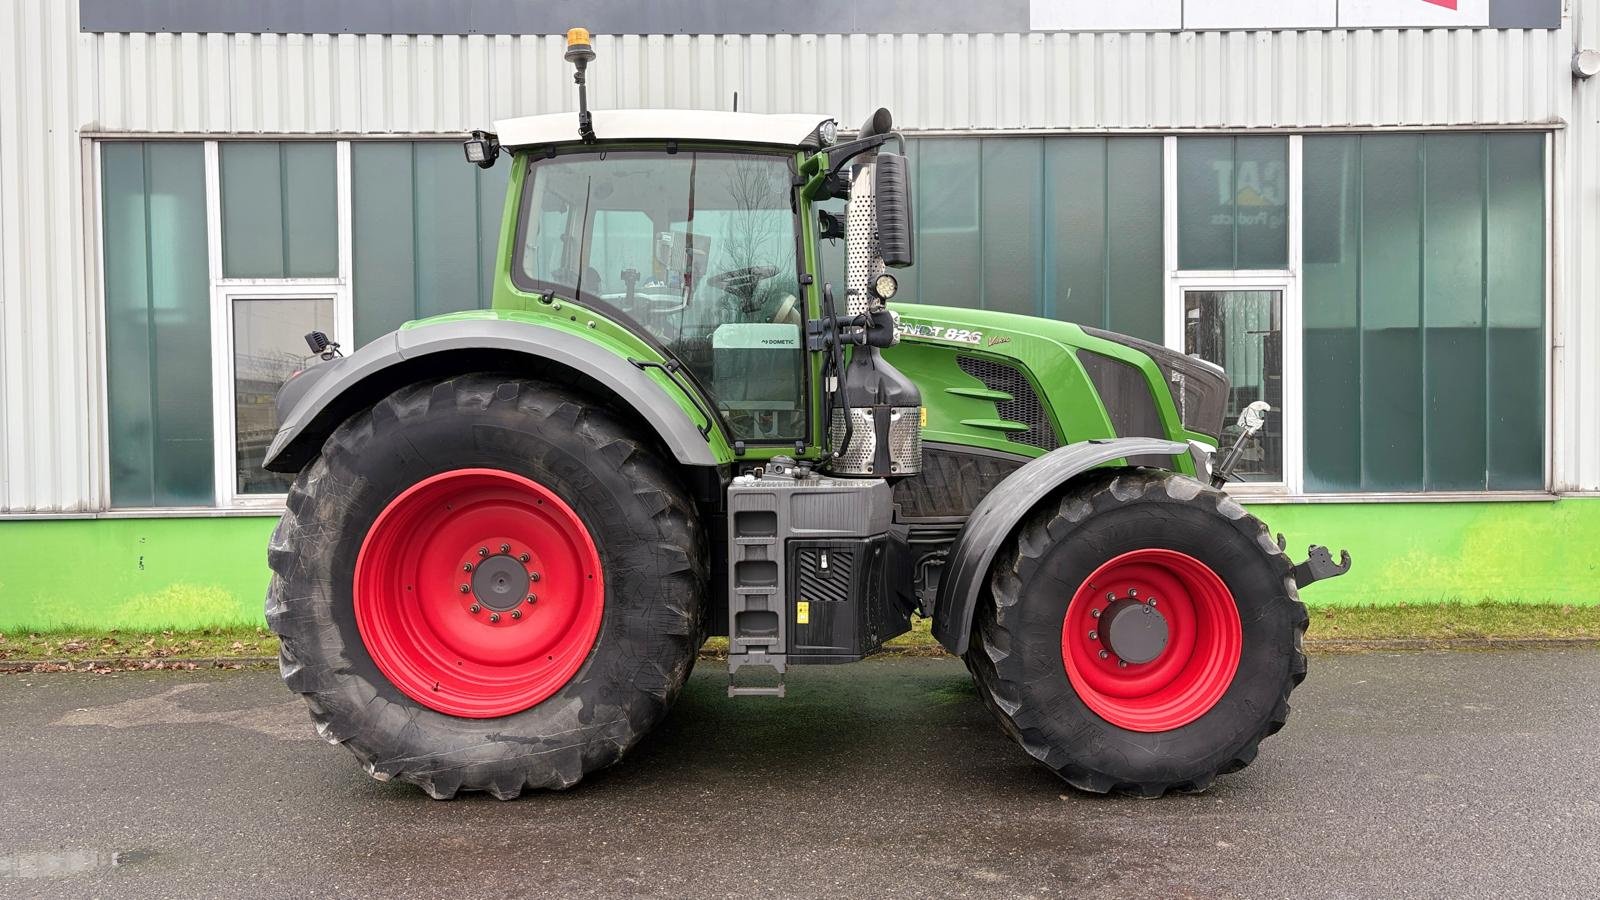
point(1285, 280)
point(225, 290)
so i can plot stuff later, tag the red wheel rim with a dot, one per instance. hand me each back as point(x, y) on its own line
point(478, 592)
point(1188, 675)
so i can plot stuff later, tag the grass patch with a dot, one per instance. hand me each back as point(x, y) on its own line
point(1330, 625)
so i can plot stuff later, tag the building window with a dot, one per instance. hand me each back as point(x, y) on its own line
point(1066, 228)
point(1242, 331)
point(181, 301)
point(1233, 203)
point(1423, 308)
point(153, 211)
point(424, 230)
point(279, 205)
point(268, 345)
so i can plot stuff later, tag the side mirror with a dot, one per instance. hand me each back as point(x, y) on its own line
point(892, 191)
point(829, 228)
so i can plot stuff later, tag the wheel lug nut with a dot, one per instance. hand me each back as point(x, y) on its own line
point(533, 576)
point(1094, 635)
point(1122, 664)
point(474, 608)
point(483, 551)
point(1152, 601)
point(1095, 613)
point(533, 598)
point(466, 588)
point(523, 557)
point(467, 567)
point(494, 617)
point(505, 548)
point(516, 614)
point(1111, 597)
point(1133, 592)
point(1104, 654)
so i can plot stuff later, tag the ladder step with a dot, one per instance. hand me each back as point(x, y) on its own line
point(737, 691)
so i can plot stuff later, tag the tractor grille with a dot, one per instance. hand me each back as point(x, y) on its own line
point(1024, 405)
point(1126, 396)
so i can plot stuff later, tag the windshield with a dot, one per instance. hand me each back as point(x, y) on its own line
point(698, 250)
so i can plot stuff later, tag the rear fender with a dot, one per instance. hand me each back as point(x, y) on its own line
point(998, 514)
point(314, 403)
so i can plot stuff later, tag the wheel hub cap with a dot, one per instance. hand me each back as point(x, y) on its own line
point(500, 582)
point(1133, 631)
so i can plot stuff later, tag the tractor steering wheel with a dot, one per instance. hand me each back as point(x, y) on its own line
point(743, 280)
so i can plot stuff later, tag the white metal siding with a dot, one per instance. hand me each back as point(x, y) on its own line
point(56, 83)
point(1141, 81)
point(1576, 326)
point(47, 337)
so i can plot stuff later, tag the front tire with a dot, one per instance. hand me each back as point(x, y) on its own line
point(485, 583)
point(1141, 634)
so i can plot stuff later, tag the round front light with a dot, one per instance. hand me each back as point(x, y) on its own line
point(828, 132)
point(884, 286)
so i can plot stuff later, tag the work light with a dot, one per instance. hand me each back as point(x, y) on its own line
point(482, 149)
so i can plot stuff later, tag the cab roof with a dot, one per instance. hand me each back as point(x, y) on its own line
point(786, 129)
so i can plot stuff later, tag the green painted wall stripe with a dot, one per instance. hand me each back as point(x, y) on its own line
point(147, 574)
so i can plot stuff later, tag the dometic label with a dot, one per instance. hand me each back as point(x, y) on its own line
point(939, 332)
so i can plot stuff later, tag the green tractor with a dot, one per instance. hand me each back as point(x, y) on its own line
point(512, 530)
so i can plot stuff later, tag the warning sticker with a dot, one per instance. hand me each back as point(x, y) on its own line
point(802, 612)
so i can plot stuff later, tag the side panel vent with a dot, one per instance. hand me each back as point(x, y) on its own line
point(1024, 405)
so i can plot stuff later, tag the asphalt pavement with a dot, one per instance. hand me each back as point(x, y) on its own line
point(1399, 775)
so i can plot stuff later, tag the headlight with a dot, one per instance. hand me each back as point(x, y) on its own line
point(884, 286)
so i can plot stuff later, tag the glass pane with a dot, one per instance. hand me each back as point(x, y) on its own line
point(426, 227)
point(1135, 268)
point(1454, 427)
point(268, 346)
point(946, 218)
point(1242, 331)
point(1425, 260)
point(310, 211)
point(157, 324)
point(698, 249)
point(1331, 332)
point(1075, 185)
point(383, 235)
point(1391, 313)
point(1012, 230)
point(1205, 203)
point(252, 210)
point(1514, 257)
point(1260, 192)
point(279, 210)
point(1232, 210)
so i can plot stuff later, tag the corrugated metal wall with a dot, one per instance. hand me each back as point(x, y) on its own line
point(48, 345)
point(376, 83)
point(1577, 268)
point(56, 83)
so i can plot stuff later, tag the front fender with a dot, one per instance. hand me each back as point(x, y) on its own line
point(334, 390)
point(998, 514)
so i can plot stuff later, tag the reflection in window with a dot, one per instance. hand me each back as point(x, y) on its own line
point(1233, 203)
point(279, 212)
point(268, 346)
point(699, 250)
point(1242, 331)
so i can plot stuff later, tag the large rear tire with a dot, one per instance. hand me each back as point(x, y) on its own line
point(1141, 634)
point(485, 583)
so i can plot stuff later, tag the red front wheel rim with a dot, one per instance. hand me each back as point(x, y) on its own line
point(478, 592)
point(1179, 633)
